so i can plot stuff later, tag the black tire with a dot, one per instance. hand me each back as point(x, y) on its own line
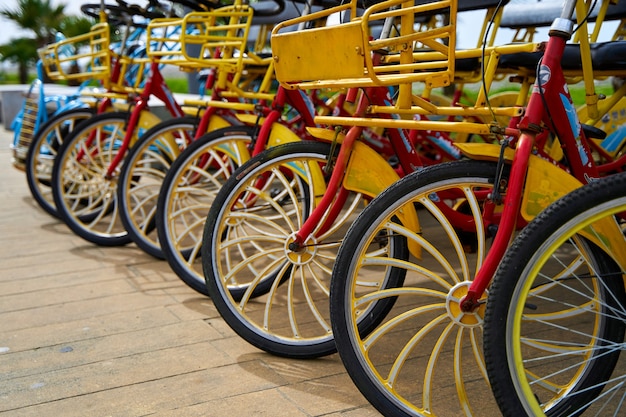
point(247, 251)
point(410, 363)
point(85, 198)
point(588, 340)
point(142, 175)
point(42, 151)
point(186, 202)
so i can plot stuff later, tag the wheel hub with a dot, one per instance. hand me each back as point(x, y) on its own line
point(472, 318)
point(300, 253)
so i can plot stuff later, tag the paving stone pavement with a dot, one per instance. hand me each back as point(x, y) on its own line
point(99, 331)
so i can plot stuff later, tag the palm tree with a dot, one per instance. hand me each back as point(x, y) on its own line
point(72, 26)
point(21, 52)
point(39, 17)
point(75, 25)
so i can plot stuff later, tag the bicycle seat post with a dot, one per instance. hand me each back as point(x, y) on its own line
point(568, 9)
point(564, 25)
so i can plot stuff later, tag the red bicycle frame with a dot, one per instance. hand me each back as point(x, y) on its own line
point(551, 105)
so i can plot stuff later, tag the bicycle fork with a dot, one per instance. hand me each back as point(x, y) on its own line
point(547, 103)
point(334, 185)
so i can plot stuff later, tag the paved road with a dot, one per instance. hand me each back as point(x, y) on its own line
point(93, 331)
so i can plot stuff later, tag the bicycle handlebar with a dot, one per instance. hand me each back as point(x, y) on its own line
point(153, 9)
point(93, 10)
point(279, 7)
point(199, 5)
point(121, 13)
point(206, 5)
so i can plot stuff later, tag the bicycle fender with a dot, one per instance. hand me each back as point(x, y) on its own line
point(147, 119)
point(607, 234)
point(370, 174)
point(239, 152)
point(367, 172)
point(484, 151)
point(217, 122)
point(249, 119)
point(326, 135)
point(363, 162)
point(281, 134)
point(192, 111)
point(545, 183)
point(120, 106)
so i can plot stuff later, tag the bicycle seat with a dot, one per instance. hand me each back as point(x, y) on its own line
point(605, 56)
point(608, 56)
point(468, 5)
point(519, 16)
point(327, 4)
point(615, 11)
point(290, 11)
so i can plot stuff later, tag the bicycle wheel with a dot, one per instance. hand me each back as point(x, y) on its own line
point(84, 195)
point(141, 177)
point(43, 150)
point(556, 316)
point(424, 358)
point(186, 195)
point(275, 295)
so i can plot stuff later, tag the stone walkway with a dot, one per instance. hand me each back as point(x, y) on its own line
point(96, 331)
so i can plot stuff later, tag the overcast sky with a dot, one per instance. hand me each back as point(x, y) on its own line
point(10, 31)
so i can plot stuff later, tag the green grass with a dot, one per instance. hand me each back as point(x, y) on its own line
point(10, 78)
point(577, 92)
point(178, 85)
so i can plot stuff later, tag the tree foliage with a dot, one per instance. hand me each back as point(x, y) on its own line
point(22, 52)
point(38, 16)
point(75, 25)
point(43, 20)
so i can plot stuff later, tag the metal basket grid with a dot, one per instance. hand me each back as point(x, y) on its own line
point(27, 129)
point(133, 72)
point(91, 49)
point(215, 39)
point(343, 55)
